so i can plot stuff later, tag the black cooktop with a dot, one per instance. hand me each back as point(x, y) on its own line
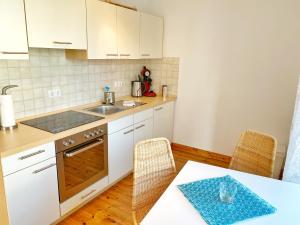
point(61, 121)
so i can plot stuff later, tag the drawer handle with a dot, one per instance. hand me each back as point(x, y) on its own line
point(62, 42)
point(140, 126)
point(32, 154)
point(111, 54)
point(14, 53)
point(88, 194)
point(127, 132)
point(145, 54)
point(160, 108)
point(44, 168)
point(124, 54)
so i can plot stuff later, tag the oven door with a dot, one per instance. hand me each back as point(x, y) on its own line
point(82, 166)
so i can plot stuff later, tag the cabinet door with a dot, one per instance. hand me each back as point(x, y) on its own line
point(163, 121)
point(56, 23)
point(151, 36)
point(120, 153)
point(32, 195)
point(102, 30)
point(128, 32)
point(13, 39)
point(143, 130)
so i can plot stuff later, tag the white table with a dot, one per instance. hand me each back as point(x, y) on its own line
point(174, 209)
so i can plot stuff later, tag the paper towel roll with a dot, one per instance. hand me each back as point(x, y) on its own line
point(7, 111)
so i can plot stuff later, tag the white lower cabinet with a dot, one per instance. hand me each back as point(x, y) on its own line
point(163, 121)
point(32, 195)
point(143, 130)
point(120, 153)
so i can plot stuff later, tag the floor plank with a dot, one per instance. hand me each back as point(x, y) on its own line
point(113, 207)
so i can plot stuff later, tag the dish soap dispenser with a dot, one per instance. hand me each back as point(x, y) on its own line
point(8, 121)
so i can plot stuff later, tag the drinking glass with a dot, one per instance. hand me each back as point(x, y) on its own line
point(227, 192)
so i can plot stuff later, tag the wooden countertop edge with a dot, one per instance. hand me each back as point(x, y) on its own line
point(46, 137)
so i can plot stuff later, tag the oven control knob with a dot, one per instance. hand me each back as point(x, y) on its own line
point(92, 134)
point(96, 132)
point(87, 136)
point(65, 143)
point(71, 141)
point(100, 130)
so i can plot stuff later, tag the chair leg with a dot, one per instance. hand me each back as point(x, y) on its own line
point(134, 218)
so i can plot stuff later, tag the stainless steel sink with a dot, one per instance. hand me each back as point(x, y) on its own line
point(105, 109)
point(111, 109)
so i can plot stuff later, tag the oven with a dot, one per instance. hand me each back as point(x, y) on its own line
point(81, 160)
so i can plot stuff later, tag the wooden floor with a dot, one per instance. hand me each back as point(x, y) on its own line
point(114, 205)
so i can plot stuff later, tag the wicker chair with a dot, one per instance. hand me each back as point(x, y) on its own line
point(154, 169)
point(255, 153)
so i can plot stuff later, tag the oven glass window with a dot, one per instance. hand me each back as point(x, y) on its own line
point(82, 164)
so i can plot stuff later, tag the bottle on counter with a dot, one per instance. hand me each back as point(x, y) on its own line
point(165, 91)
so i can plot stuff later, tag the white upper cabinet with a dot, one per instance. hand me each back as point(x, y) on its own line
point(128, 32)
point(13, 39)
point(101, 30)
point(151, 36)
point(56, 23)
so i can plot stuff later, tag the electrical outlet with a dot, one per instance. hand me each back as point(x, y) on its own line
point(54, 93)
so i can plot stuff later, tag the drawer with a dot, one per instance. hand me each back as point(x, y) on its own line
point(120, 124)
point(141, 116)
point(83, 196)
point(27, 158)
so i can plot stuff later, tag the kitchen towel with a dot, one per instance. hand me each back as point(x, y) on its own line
point(204, 196)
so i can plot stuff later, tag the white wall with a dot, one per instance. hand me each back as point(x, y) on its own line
point(239, 62)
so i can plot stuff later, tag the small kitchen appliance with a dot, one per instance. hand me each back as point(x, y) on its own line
point(147, 80)
point(137, 88)
point(8, 121)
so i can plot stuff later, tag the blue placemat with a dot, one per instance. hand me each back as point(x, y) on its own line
point(204, 196)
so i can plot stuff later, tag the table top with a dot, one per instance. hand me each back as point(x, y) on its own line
point(173, 208)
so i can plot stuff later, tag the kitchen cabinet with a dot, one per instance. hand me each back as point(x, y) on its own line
point(143, 130)
point(56, 23)
point(101, 30)
point(120, 153)
point(151, 36)
point(163, 121)
point(128, 32)
point(32, 194)
point(13, 38)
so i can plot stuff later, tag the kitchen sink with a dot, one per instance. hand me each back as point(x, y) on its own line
point(111, 109)
point(105, 109)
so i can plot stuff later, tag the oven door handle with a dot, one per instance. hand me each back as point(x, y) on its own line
point(73, 153)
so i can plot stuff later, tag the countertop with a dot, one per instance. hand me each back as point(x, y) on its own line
point(26, 137)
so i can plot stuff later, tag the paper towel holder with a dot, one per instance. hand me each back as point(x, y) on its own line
point(4, 92)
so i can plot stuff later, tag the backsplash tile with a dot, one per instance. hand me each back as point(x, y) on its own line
point(80, 81)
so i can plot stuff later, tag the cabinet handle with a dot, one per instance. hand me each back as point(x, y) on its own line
point(62, 42)
point(44, 168)
point(145, 54)
point(111, 54)
point(160, 108)
point(140, 126)
point(14, 53)
point(32, 154)
point(124, 54)
point(127, 132)
point(88, 194)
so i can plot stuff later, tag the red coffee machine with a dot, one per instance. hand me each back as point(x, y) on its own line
point(147, 81)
